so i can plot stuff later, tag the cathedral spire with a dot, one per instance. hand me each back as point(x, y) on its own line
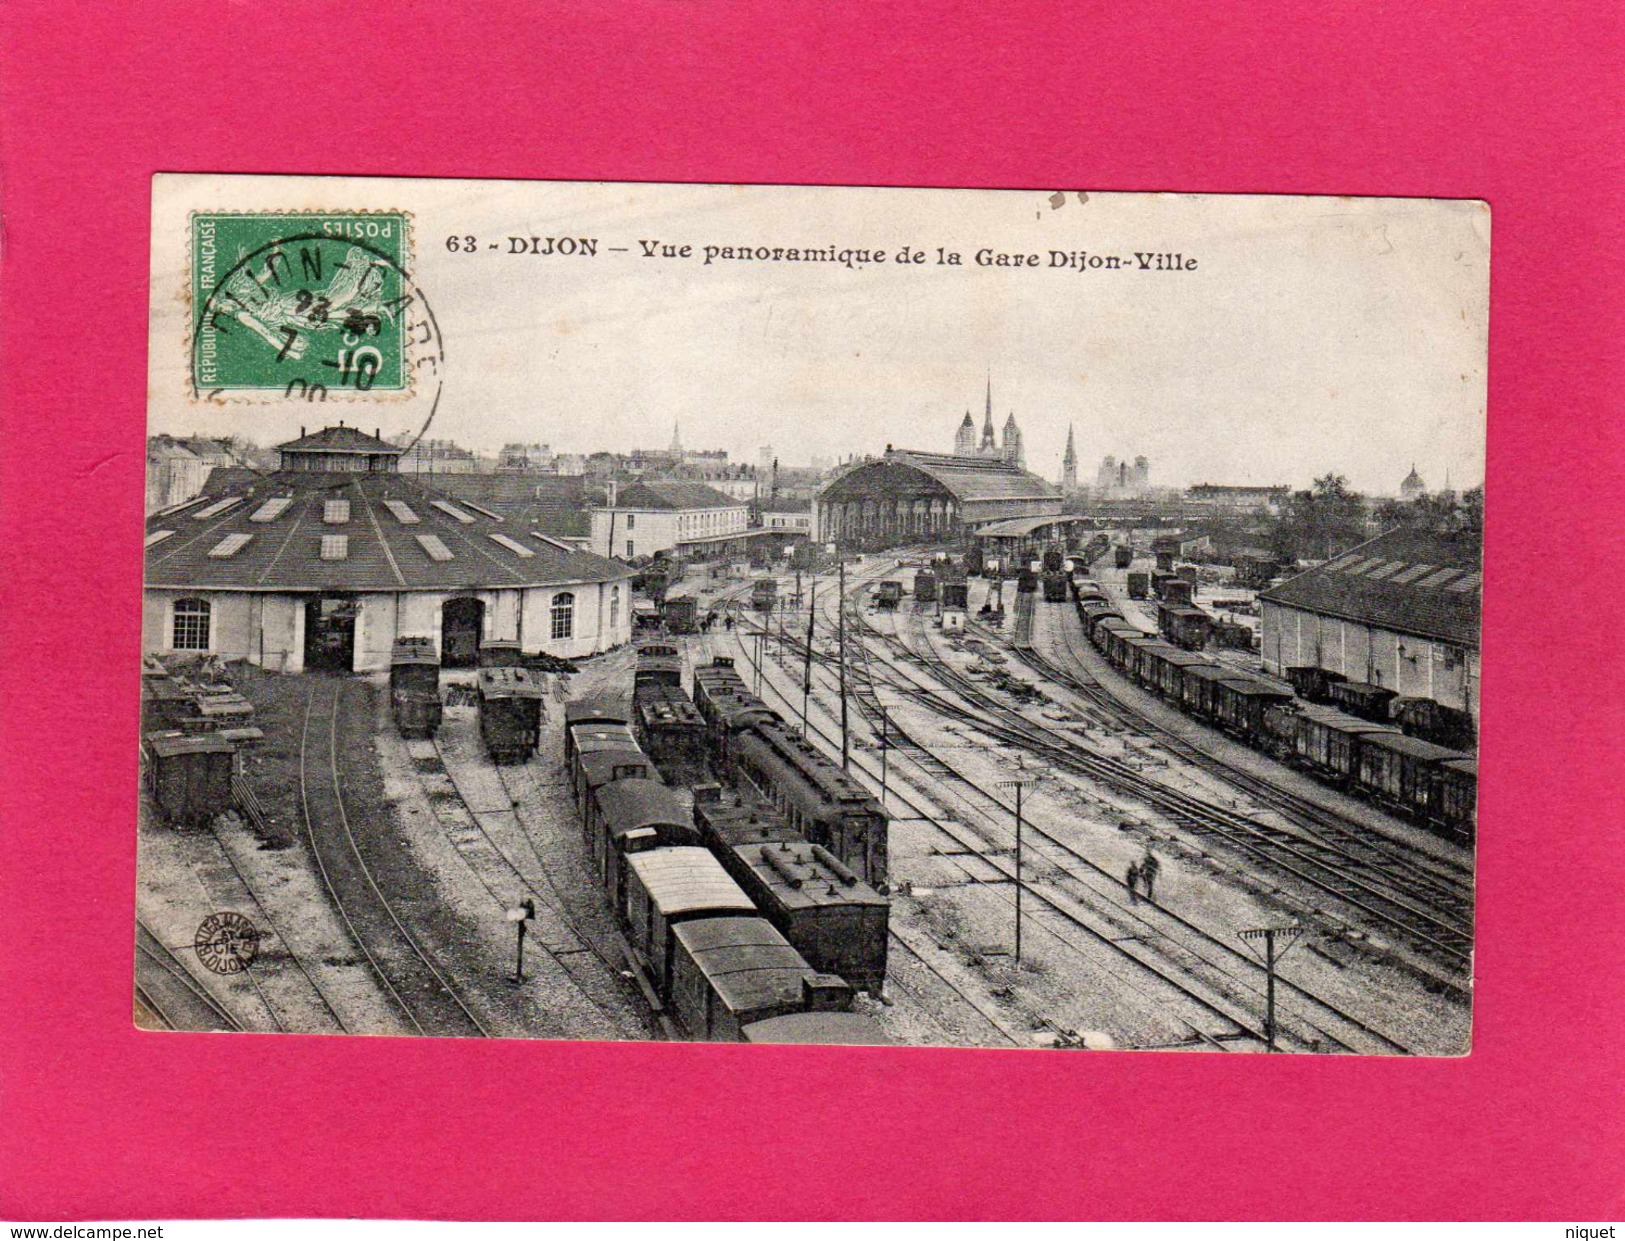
point(990, 443)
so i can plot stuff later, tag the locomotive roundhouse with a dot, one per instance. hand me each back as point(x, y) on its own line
point(324, 563)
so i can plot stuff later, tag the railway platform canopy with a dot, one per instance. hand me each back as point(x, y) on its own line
point(1015, 535)
point(910, 497)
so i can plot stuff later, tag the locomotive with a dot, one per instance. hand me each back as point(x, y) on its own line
point(414, 687)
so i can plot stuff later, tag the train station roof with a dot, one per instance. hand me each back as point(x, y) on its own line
point(1024, 527)
point(1417, 582)
point(304, 530)
point(966, 478)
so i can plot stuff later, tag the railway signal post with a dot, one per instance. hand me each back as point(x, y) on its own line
point(1286, 936)
point(521, 916)
point(1018, 785)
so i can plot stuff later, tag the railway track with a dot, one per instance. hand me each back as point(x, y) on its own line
point(1225, 971)
point(1361, 884)
point(1445, 885)
point(168, 990)
point(425, 997)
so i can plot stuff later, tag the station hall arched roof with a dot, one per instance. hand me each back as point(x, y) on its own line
point(304, 531)
point(967, 479)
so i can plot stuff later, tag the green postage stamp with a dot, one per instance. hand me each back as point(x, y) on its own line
point(297, 303)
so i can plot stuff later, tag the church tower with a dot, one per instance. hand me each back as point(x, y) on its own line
point(676, 442)
point(965, 440)
point(990, 445)
point(1012, 450)
point(1069, 466)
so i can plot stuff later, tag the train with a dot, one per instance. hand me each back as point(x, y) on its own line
point(740, 928)
point(679, 614)
point(1055, 587)
point(665, 720)
point(764, 594)
point(414, 687)
point(1186, 627)
point(1051, 559)
point(1123, 555)
point(888, 595)
point(1433, 785)
point(510, 710)
point(189, 775)
point(925, 586)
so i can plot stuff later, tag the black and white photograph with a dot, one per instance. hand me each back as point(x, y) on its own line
point(1015, 619)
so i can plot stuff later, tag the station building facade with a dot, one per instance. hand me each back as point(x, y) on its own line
point(325, 562)
point(672, 518)
point(911, 497)
point(1401, 611)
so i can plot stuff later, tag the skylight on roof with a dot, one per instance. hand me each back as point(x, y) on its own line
point(434, 547)
point(550, 541)
point(271, 509)
point(157, 537)
point(478, 509)
point(230, 545)
point(215, 509)
point(1470, 582)
point(1414, 572)
point(336, 512)
point(513, 545)
point(403, 512)
point(1435, 580)
point(335, 547)
point(1387, 569)
point(451, 510)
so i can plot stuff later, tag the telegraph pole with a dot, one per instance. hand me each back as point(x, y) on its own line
point(885, 745)
point(806, 666)
point(840, 609)
point(1287, 936)
point(1018, 785)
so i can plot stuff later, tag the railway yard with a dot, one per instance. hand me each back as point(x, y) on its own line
point(996, 775)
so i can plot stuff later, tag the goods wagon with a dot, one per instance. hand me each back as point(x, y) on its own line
point(764, 594)
point(1424, 718)
point(1239, 703)
point(510, 706)
point(955, 596)
point(1139, 585)
point(190, 775)
point(1122, 556)
point(1055, 587)
point(1322, 739)
point(658, 663)
point(584, 712)
point(828, 1029)
point(1186, 627)
point(1369, 702)
point(630, 816)
point(1165, 559)
point(1312, 683)
point(727, 973)
point(889, 595)
point(1457, 804)
point(925, 586)
point(665, 888)
point(1403, 772)
point(672, 731)
point(414, 687)
point(1161, 668)
point(1170, 588)
point(1188, 573)
point(1026, 581)
point(501, 653)
point(678, 614)
point(593, 769)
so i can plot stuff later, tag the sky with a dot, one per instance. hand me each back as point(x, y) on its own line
point(1312, 334)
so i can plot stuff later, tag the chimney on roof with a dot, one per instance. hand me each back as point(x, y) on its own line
point(301, 430)
point(378, 433)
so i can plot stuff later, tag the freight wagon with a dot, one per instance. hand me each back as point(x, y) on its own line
point(889, 595)
point(728, 974)
point(925, 586)
point(414, 687)
point(190, 775)
point(510, 707)
point(1122, 556)
point(1139, 585)
point(1055, 587)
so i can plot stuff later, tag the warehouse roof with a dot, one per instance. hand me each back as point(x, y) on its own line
point(1409, 581)
point(665, 494)
point(313, 530)
point(555, 504)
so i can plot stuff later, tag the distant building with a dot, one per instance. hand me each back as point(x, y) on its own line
point(1220, 500)
point(1123, 480)
point(787, 516)
point(908, 496)
point(990, 447)
point(1401, 611)
point(525, 457)
point(670, 518)
point(434, 456)
point(1413, 487)
point(174, 473)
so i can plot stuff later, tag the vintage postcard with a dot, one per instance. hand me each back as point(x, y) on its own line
point(1004, 619)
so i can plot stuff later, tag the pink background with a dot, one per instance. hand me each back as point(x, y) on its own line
point(1515, 103)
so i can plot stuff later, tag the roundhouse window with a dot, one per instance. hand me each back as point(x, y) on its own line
point(564, 616)
point(191, 625)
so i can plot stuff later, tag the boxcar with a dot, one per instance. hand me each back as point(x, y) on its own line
point(594, 768)
point(1165, 559)
point(955, 596)
point(1403, 772)
point(889, 595)
point(729, 817)
point(414, 687)
point(632, 816)
point(1139, 585)
point(510, 705)
point(501, 653)
point(1185, 627)
point(826, 1029)
point(657, 664)
point(1456, 808)
point(727, 973)
point(1320, 738)
point(833, 918)
point(1055, 587)
point(1188, 572)
point(190, 775)
point(1196, 690)
point(594, 710)
point(821, 801)
point(665, 888)
point(1240, 702)
point(764, 594)
point(1369, 702)
point(672, 732)
point(1163, 668)
point(1424, 718)
point(1175, 590)
point(1052, 560)
point(1122, 556)
point(1313, 683)
point(925, 586)
point(679, 614)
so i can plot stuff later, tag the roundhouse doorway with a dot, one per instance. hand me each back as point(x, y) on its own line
point(462, 621)
point(330, 622)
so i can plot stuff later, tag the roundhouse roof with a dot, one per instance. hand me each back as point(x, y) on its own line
point(316, 530)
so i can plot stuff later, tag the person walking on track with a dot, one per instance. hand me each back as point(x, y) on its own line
point(1133, 881)
point(1148, 872)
